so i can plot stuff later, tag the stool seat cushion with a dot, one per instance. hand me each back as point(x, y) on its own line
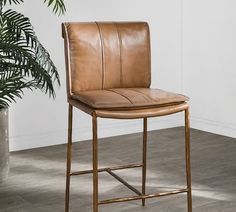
point(128, 98)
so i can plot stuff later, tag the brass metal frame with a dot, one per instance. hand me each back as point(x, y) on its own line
point(139, 195)
point(144, 169)
point(187, 158)
point(69, 145)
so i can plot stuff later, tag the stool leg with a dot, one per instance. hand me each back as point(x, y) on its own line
point(144, 169)
point(69, 145)
point(187, 153)
point(95, 165)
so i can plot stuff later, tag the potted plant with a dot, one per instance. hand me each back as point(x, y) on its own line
point(24, 64)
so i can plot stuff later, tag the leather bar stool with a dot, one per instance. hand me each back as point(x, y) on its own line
point(108, 70)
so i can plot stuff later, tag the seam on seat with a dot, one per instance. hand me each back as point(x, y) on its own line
point(145, 95)
point(151, 97)
point(120, 95)
point(120, 44)
point(102, 49)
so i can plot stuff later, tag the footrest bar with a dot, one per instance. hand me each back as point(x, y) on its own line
point(125, 199)
point(130, 166)
point(124, 182)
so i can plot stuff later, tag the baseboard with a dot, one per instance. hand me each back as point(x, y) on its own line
point(216, 127)
point(106, 129)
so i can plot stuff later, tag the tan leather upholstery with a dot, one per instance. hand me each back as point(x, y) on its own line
point(140, 113)
point(108, 55)
point(127, 98)
point(108, 68)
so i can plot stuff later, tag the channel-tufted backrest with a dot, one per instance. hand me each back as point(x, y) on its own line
point(103, 55)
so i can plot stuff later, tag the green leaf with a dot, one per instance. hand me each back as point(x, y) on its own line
point(58, 6)
point(24, 62)
point(12, 1)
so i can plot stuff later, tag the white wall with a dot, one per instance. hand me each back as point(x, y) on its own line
point(193, 51)
point(209, 64)
point(37, 121)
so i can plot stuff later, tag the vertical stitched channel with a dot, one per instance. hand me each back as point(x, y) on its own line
point(102, 49)
point(120, 44)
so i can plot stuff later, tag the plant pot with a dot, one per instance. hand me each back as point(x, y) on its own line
point(4, 144)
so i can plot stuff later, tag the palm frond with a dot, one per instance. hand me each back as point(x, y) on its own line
point(11, 86)
point(11, 1)
point(23, 59)
point(58, 6)
point(13, 25)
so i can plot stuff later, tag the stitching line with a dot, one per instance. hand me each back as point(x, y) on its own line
point(102, 49)
point(145, 95)
point(120, 42)
point(120, 95)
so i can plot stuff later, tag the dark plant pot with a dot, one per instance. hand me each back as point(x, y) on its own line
point(4, 144)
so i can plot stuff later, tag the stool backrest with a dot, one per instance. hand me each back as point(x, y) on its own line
point(103, 55)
